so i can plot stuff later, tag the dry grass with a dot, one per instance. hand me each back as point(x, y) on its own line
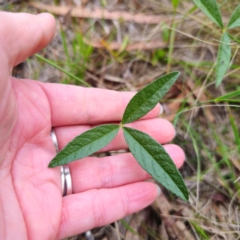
point(126, 55)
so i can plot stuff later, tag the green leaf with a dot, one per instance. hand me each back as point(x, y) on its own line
point(85, 144)
point(155, 160)
point(227, 96)
point(211, 10)
point(235, 131)
point(230, 100)
point(233, 38)
point(146, 99)
point(223, 58)
point(234, 19)
point(175, 4)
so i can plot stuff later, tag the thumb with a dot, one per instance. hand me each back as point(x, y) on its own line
point(21, 35)
point(24, 34)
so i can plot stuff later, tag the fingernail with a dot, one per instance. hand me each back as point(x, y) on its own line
point(159, 191)
point(161, 109)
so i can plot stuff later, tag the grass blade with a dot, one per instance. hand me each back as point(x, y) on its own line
point(175, 4)
point(155, 160)
point(234, 38)
point(146, 99)
point(61, 69)
point(211, 9)
point(235, 18)
point(86, 144)
point(223, 58)
point(227, 96)
point(235, 132)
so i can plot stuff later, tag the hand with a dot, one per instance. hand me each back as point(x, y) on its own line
point(106, 189)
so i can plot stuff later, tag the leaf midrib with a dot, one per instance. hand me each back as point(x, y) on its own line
point(72, 153)
point(151, 155)
point(144, 103)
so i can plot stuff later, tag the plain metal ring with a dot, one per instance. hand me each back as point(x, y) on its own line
point(66, 179)
point(62, 180)
point(54, 139)
point(89, 235)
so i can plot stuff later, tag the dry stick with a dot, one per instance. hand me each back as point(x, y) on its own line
point(200, 40)
point(233, 58)
point(134, 46)
point(101, 14)
point(116, 15)
point(117, 230)
point(230, 205)
point(228, 74)
point(198, 219)
point(186, 13)
point(191, 36)
point(199, 94)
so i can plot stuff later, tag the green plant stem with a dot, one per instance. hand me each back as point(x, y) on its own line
point(235, 130)
point(198, 170)
point(62, 70)
point(171, 46)
point(63, 36)
point(200, 105)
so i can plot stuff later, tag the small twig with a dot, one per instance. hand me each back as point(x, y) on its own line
point(101, 14)
point(198, 96)
point(195, 38)
point(231, 203)
point(130, 47)
point(117, 230)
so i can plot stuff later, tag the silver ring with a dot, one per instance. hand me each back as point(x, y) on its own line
point(66, 179)
point(54, 139)
point(62, 180)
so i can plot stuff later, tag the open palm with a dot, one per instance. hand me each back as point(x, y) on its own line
point(106, 189)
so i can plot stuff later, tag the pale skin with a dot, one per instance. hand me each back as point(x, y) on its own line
point(106, 189)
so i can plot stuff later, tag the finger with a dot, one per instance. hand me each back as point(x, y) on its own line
point(95, 208)
point(71, 105)
point(159, 129)
point(24, 34)
point(114, 171)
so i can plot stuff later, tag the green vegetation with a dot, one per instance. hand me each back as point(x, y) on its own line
point(211, 9)
point(149, 153)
